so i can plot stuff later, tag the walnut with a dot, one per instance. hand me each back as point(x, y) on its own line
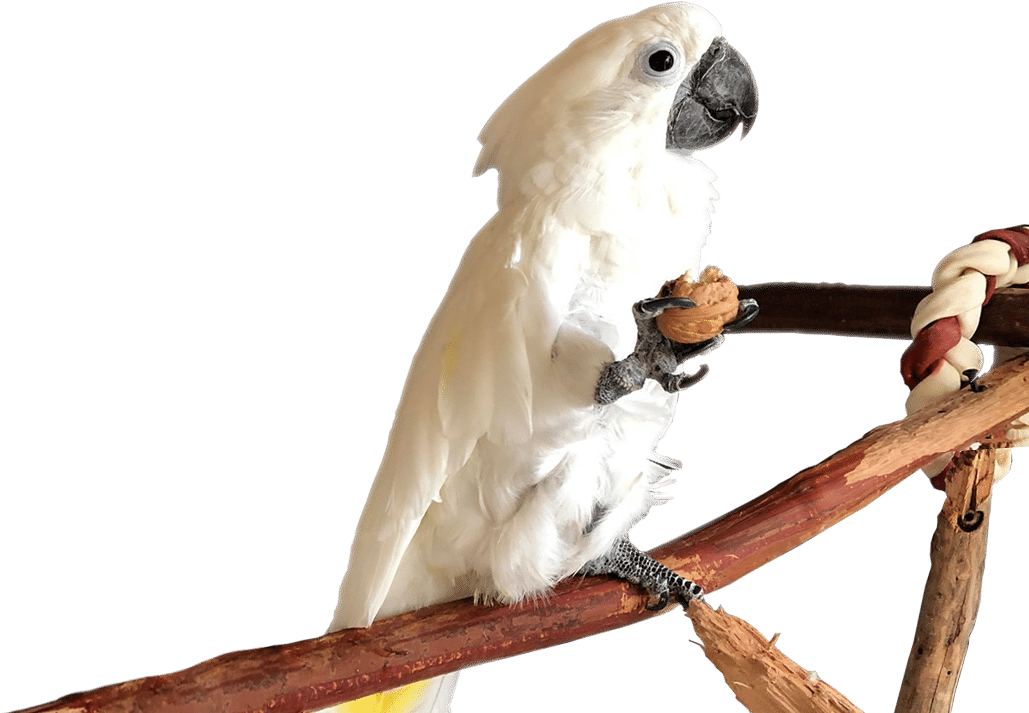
point(717, 302)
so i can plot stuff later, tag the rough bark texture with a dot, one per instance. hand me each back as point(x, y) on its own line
point(313, 674)
point(951, 599)
point(762, 677)
point(817, 498)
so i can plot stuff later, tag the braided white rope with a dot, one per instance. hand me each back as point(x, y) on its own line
point(959, 289)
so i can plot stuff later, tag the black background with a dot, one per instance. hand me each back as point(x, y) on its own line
point(215, 402)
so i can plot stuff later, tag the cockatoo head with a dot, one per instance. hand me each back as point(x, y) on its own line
point(661, 80)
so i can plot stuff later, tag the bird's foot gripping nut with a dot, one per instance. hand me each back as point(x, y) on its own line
point(627, 562)
point(658, 357)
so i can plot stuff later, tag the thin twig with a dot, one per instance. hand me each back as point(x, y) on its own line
point(313, 674)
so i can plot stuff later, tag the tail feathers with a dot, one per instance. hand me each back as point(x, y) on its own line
point(432, 696)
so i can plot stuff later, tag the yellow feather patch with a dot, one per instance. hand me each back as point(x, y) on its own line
point(396, 701)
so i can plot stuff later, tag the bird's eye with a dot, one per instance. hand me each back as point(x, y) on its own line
point(659, 63)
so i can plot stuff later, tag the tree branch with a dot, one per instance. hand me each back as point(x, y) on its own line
point(762, 677)
point(309, 675)
point(952, 590)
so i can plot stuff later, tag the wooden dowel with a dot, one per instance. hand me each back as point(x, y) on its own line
point(869, 311)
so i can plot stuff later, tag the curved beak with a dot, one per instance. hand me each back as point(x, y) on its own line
point(719, 94)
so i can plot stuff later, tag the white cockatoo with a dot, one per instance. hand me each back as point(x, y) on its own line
point(523, 447)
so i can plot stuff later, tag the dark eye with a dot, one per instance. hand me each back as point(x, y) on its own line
point(661, 61)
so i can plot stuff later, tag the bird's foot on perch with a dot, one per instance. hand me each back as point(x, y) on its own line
point(627, 562)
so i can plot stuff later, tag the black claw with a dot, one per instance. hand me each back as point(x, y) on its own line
point(747, 313)
point(662, 602)
point(690, 351)
point(654, 306)
point(678, 382)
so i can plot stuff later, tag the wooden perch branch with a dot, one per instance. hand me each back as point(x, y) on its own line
point(309, 675)
point(951, 600)
point(863, 310)
point(819, 497)
point(761, 676)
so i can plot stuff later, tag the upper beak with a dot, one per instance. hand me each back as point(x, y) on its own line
point(719, 94)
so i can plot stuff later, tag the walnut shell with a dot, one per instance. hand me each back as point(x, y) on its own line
point(717, 302)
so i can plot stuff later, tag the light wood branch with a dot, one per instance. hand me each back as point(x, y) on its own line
point(309, 675)
point(872, 311)
point(951, 599)
point(762, 677)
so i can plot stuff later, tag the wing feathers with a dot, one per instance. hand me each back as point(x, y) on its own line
point(470, 379)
